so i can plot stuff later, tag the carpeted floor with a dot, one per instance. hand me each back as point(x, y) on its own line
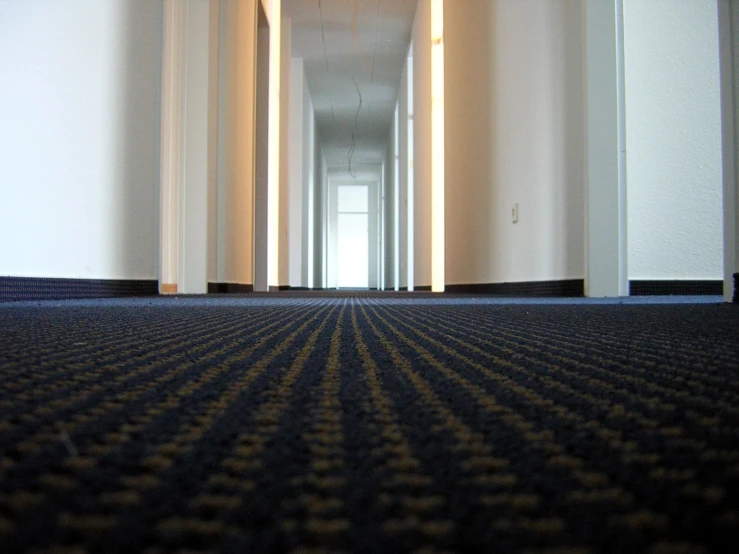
point(368, 424)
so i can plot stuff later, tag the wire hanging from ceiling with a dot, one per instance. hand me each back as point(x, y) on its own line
point(371, 66)
point(323, 34)
point(355, 130)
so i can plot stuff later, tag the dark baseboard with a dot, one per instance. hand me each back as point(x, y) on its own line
point(13, 289)
point(280, 288)
point(676, 288)
point(570, 288)
point(229, 288)
point(422, 288)
point(403, 289)
point(735, 298)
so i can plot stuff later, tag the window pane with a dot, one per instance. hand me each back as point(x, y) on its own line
point(353, 198)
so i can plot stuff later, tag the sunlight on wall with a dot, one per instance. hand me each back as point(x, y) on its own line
point(437, 145)
point(273, 194)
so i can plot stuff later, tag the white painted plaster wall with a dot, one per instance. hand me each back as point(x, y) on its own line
point(673, 139)
point(219, 208)
point(238, 252)
point(298, 125)
point(320, 215)
point(389, 209)
point(309, 178)
point(514, 133)
point(605, 145)
point(422, 141)
point(403, 161)
point(79, 138)
point(196, 138)
point(284, 173)
point(264, 137)
point(302, 176)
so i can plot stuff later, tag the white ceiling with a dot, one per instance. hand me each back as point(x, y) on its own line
point(352, 48)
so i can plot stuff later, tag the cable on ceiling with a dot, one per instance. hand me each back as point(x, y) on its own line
point(323, 34)
point(356, 128)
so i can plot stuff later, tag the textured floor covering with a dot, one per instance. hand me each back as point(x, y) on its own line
point(368, 425)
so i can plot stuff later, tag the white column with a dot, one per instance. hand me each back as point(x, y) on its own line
point(422, 155)
point(195, 137)
point(170, 164)
point(606, 247)
point(728, 25)
point(275, 107)
point(297, 125)
point(263, 148)
point(404, 160)
point(186, 135)
point(285, 191)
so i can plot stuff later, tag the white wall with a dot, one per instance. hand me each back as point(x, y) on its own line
point(263, 151)
point(390, 208)
point(197, 141)
point(403, 161)
point(422, 141)
point(302, 176)
point(673, 139)
point(238, 253)
point(310, 142)
point(298, 125)
point(320, 216)
point(218, 207)
point(283, 277)
point(79, 139)
point(514, 133)
point(605, 147)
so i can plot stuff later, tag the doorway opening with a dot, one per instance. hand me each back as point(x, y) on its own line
point(353, 236)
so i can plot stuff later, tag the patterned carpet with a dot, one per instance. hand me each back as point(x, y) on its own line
point(368, 424)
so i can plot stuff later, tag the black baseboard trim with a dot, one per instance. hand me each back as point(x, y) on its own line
point(229, 288)
point(676, 288)
point(422, 288)
point(735, 297)
point(280, 288)
point(15, 289)
point(569, 288)
point(403, 289)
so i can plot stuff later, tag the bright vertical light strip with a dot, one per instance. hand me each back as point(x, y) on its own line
point(437, 145)
point(410, 187)
point(273, 179)
point(396, 200)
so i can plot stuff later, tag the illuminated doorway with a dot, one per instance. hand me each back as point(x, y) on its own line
point(353, 236)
